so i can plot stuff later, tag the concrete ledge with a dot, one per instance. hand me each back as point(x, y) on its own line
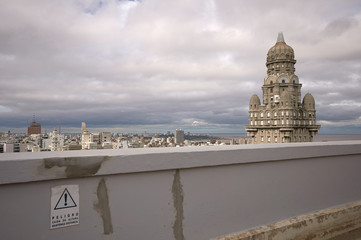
point(333, 223)
point(29, 167)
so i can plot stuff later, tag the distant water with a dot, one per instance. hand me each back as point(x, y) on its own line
point(318, 138)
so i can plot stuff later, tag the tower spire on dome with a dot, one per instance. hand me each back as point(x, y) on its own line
point(280, 37)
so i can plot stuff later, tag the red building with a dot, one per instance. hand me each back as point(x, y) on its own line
point(35, 128)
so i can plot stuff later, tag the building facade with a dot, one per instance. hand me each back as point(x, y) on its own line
point(178, 136)
point(34, 128)
point(282, 117)
point(56, 141)
point(85, 138)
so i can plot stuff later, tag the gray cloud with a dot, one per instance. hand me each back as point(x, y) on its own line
point(139, 65)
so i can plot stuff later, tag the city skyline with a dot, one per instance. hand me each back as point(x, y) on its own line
point(135, 66)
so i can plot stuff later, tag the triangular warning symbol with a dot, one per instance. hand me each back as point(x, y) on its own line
point(65, 201)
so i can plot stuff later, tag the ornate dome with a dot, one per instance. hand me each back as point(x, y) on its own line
point(280, 51)
point(308, 101)
point(254, 102)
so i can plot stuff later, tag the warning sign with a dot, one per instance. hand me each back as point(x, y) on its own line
point(64, 206)
point(65, 201)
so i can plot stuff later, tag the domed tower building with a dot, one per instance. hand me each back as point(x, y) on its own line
point(282, 117)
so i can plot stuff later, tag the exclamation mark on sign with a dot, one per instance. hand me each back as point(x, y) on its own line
point(66, 199)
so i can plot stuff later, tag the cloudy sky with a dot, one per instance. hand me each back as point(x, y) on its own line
point(157, 65)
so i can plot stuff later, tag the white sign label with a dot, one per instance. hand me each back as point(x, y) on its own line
point(64, 207)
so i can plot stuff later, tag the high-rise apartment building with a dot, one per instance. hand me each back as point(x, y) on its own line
point(178, 136)
point(85, 138)
point(282, 117)
point(83, 126)
point(56, 140)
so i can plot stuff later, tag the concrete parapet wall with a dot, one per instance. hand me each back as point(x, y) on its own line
point(176, 193)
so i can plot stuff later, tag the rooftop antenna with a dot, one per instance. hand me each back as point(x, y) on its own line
point(33, 117)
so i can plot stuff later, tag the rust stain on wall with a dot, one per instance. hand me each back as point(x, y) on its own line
point(74, 167)
point(177, 191)
point(102, 207)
